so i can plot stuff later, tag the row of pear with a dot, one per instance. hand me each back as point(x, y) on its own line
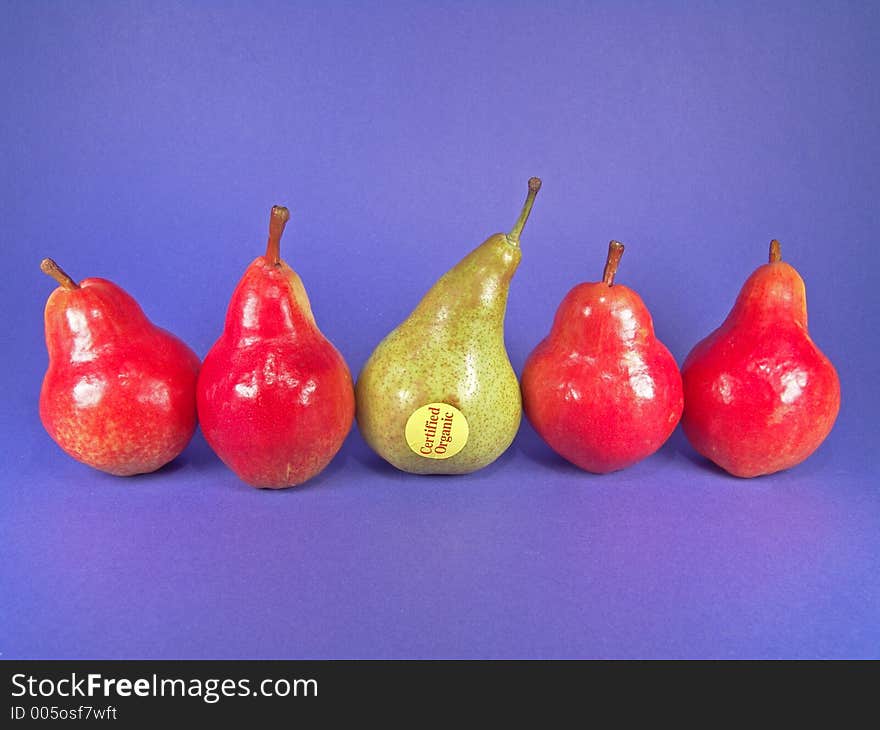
point(438, 395)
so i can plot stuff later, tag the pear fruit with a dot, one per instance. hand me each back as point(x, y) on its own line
point(119, 393)
point(439, 395)
point(759, 394)
point(601, 389)
point(275, 398)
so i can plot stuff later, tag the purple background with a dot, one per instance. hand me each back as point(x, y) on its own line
point(145, 142)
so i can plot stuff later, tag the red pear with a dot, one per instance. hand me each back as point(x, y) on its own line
point(759, 395)
point(601, 389)
point(119, 393)
point(275, 397)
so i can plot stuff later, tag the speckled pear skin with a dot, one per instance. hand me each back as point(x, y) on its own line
point(450, 350)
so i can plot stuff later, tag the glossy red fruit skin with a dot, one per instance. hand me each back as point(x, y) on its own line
point(760, 397)
point(601, 389)
point(119, 392)
point(275, 398)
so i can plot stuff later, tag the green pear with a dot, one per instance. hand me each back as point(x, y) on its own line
point(439, 395)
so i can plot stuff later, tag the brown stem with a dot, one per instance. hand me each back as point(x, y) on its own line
point(775, 252)
point(49, 267)
point(277, 221)
point(534, 187)
point(615, 251)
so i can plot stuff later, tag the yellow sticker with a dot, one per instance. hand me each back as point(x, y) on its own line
point(437, 431)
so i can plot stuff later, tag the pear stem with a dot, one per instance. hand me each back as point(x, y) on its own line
point(615, 252)
point(48, 266)
point(534, 187)
point(278, 219)
point(775, 252)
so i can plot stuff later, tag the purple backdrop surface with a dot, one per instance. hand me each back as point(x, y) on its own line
point(145, 142)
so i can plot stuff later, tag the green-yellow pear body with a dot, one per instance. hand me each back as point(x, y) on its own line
point(450, 350)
